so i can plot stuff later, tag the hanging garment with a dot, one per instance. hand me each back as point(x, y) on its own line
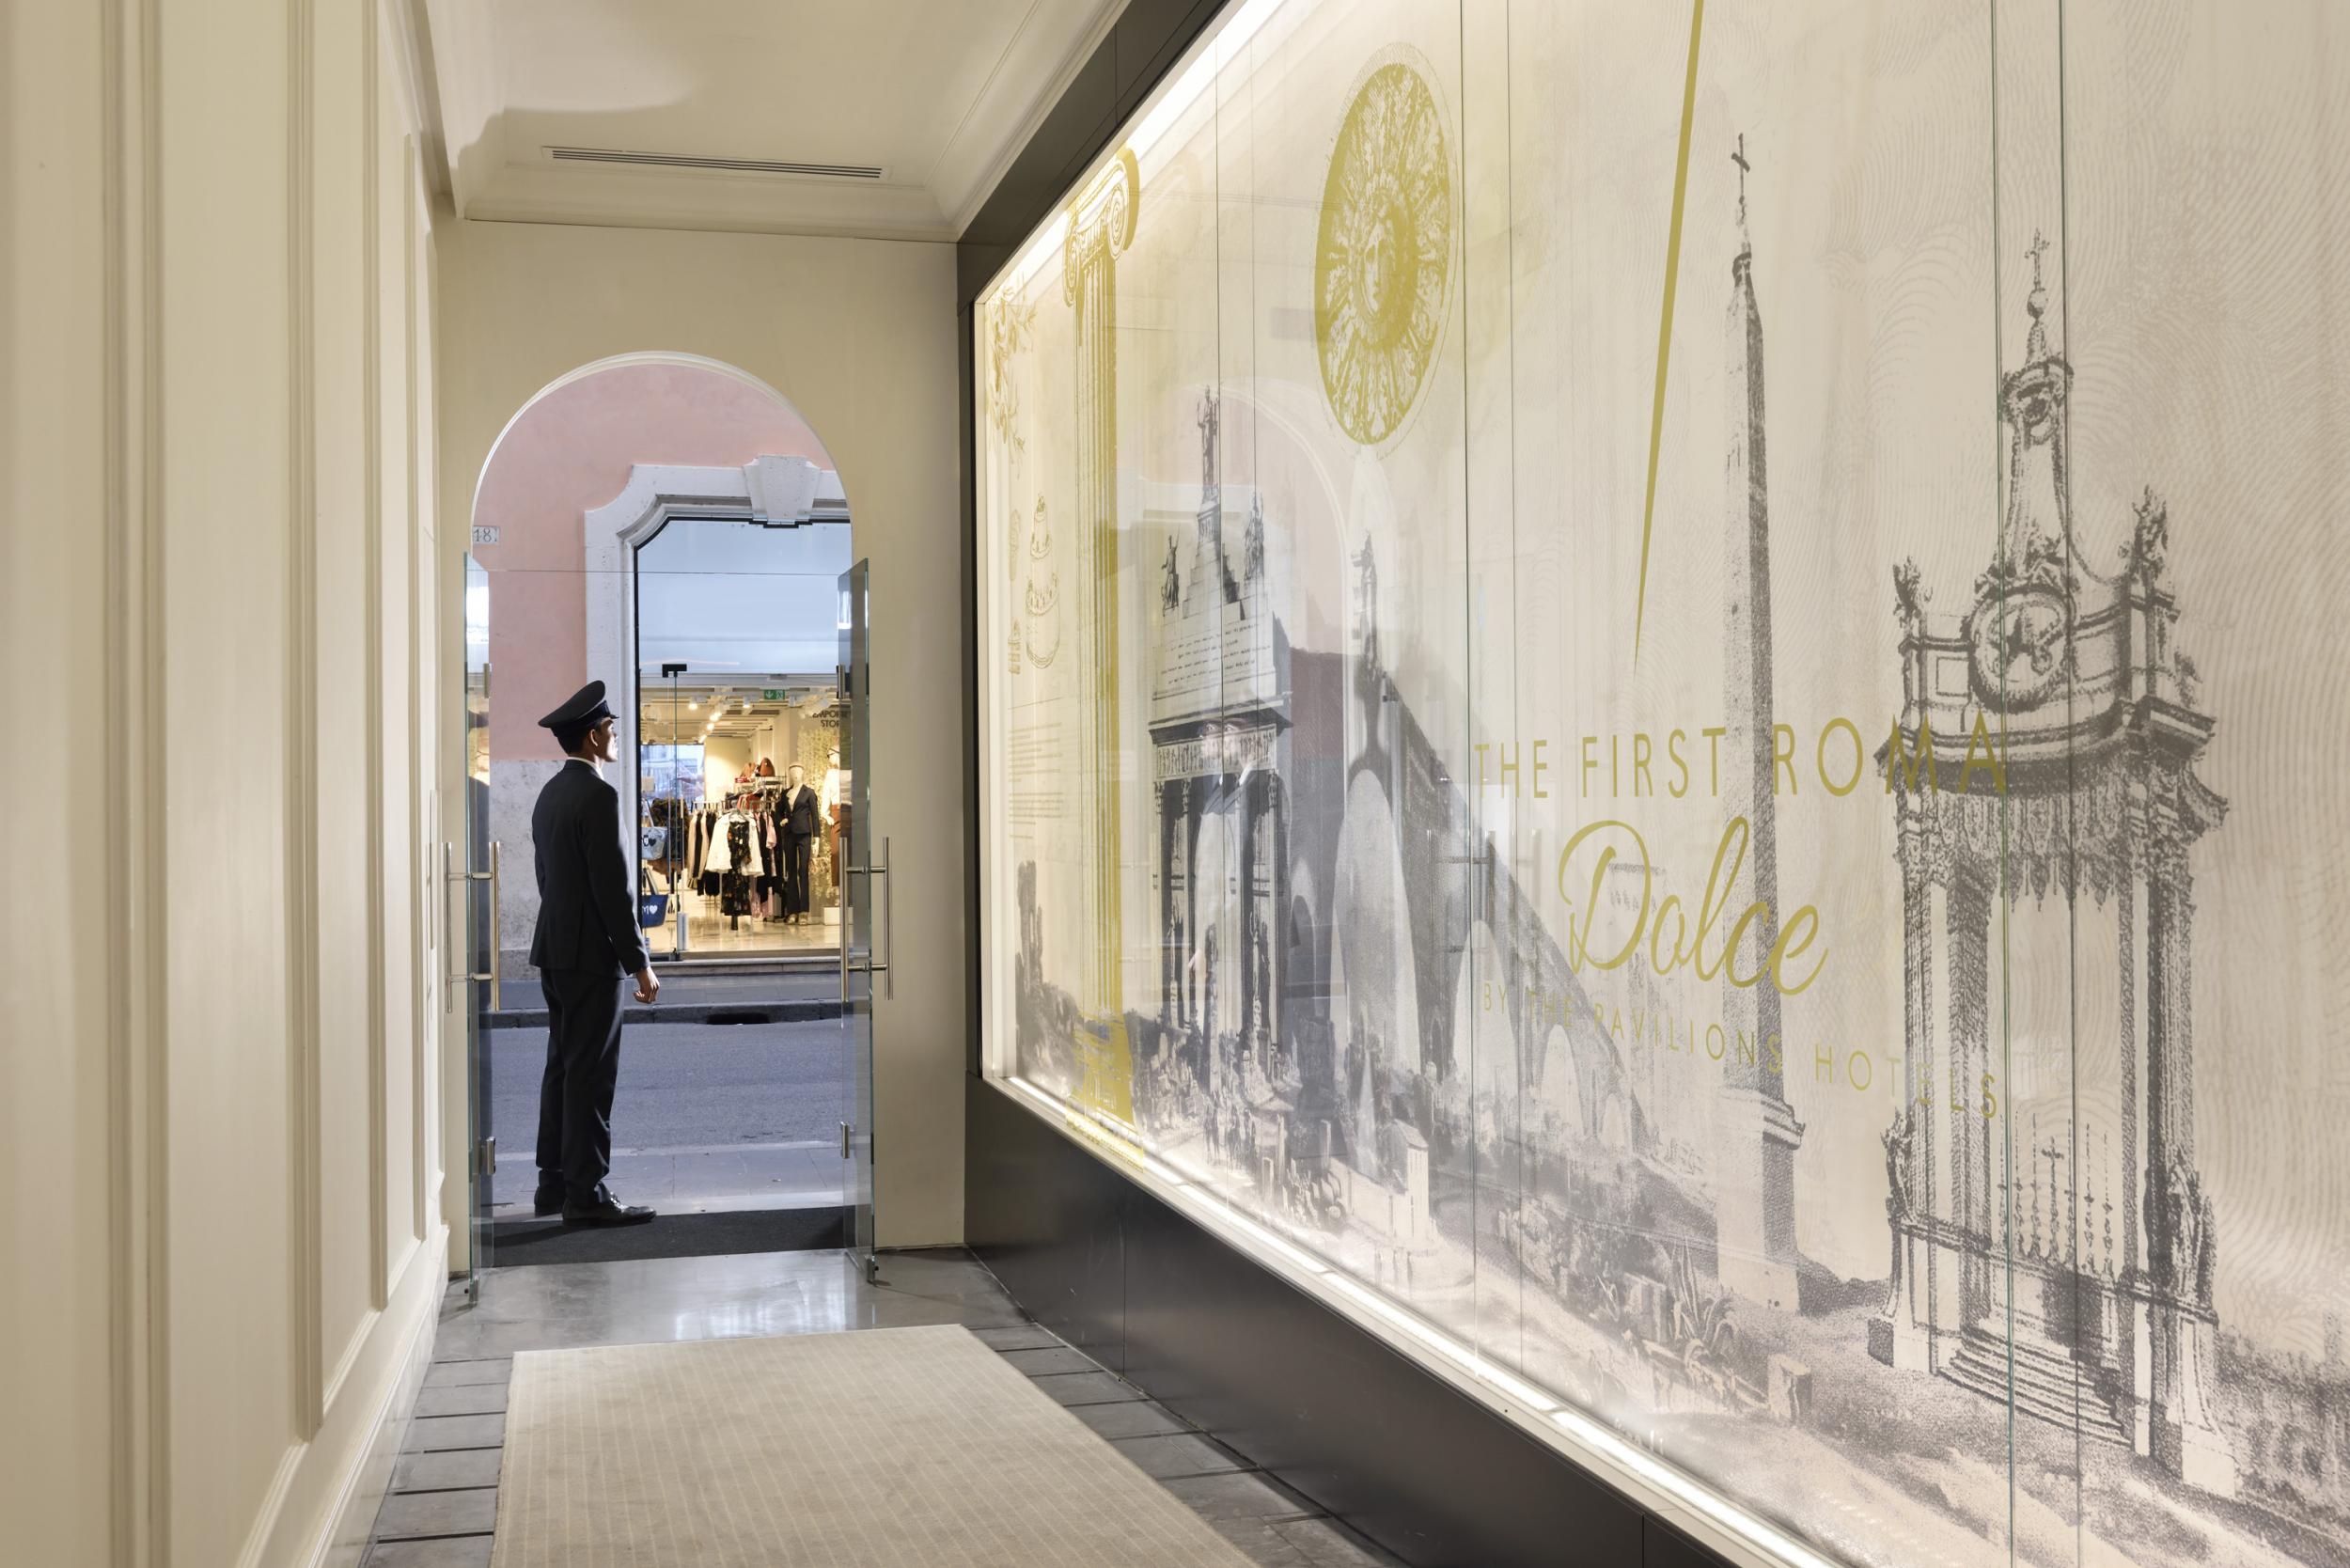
point(764, 896)
point(734, 898)
point(754, 859)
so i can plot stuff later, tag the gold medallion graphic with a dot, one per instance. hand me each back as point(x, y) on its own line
point(1383, 259)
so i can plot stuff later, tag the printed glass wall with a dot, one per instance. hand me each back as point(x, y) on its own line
point(1663, 703)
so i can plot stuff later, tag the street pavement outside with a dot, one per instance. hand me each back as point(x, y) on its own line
point(707, 1116)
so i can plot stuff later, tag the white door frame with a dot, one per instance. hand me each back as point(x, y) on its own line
point(779, 490)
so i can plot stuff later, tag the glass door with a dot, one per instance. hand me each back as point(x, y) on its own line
point(863, 881)
point(476, 879)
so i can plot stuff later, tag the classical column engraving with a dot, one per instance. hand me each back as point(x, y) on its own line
point(1101, 226)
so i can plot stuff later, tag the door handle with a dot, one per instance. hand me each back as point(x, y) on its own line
point(469, 876)
point(497, 982)
point(889, 941)
point(873, 965)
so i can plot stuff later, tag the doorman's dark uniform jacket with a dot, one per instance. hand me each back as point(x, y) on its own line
point(586, 944)
point(586, 901)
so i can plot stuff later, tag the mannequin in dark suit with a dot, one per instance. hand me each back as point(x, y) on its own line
point(586, 944)
point(800, 824)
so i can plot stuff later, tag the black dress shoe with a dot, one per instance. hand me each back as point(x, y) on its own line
point(606, 1211)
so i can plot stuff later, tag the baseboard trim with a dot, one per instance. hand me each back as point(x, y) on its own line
point(321, 1502)
point(351, 1519)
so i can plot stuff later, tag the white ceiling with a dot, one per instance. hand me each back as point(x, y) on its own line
point(744, 712)
point(937, 93)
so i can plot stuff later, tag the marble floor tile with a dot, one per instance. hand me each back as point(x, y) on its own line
point(430, 1433)
point(1087, 1388)
point(408, 1514)
point(1026, 1336)
point(447, 1470)
point(468, 1399)
point(1056, 1359)
point(1133, 1418)
point(464, 1374)
point(1328, 1544)
point(1240, 1495)
point(460, 1551)
point(1179, 1453)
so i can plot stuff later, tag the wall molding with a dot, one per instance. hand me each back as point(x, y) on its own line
point(424, 953)
point(339, 1373)
point(304, 1282)
point(411, 33)
point(135, 868)
point(1096, 33)
point(371, 578)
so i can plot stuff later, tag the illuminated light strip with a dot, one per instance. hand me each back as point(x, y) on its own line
point(1225, 43)
point(1698, 1502)
point(1587, 1437)
point(1471, 1362)
point(1045, 248)
point(1167, 105)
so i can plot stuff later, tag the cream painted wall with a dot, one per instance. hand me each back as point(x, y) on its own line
point(60, 1110)
point(860, 336)
point(219, 1093)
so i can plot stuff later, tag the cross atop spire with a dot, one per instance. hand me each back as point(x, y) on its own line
point(1739, 158)
point(2036, 303)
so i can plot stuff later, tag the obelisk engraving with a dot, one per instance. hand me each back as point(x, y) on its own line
point(1754, 1195)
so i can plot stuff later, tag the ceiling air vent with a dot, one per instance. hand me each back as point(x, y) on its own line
point(716, 165)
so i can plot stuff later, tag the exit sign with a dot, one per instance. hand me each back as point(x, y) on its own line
point(771, 696)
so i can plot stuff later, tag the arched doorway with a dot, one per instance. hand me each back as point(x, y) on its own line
point(591, 467)
point(669, 524)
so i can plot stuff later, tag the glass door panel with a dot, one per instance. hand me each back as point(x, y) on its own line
point(864, 860)
point(478, 881)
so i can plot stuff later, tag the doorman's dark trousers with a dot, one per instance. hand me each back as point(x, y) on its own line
point(575, 1091)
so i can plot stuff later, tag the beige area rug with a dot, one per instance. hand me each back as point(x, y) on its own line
point(893, 1447)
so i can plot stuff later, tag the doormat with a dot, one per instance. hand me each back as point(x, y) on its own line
point(883, 1448)
point(517, 1242)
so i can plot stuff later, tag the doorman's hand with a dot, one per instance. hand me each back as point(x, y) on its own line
point(648, 985)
